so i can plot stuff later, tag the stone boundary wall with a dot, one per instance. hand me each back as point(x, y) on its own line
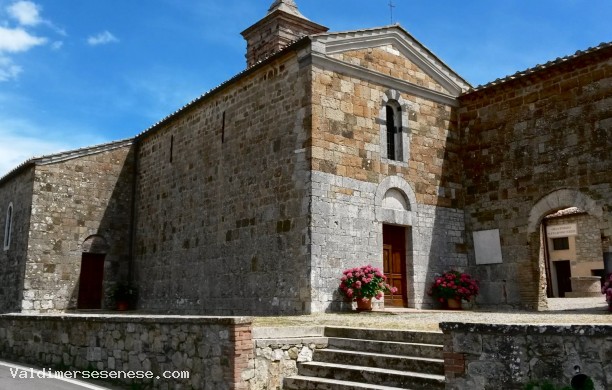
point(278, 351)
point(483, 356)
point(216, 351)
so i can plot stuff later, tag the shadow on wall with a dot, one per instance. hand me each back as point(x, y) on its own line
point(17, 191)
point(108, 251)
point(441, 241)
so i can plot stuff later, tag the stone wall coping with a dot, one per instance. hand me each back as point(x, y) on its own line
point(540, 329)
point(131, 318)
point(287, 332)
point(319, 342)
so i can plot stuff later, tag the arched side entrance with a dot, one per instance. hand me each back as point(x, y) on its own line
point(395, 206)
point(549, 204)
point(91, 279)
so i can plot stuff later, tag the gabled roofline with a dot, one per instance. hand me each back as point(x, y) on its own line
point(410, 47)
point(65, 156)
point(540, 68)
point(294, 46)
point(248, 71)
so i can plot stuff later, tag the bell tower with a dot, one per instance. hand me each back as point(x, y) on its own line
point(282, 25)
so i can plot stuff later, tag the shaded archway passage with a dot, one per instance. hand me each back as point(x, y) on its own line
point(536, 274)
point(91, 279)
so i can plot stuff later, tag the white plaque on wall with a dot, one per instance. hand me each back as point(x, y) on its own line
point(566, 230)
point(487, 247)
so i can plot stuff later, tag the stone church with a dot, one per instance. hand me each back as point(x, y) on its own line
point(330, 150)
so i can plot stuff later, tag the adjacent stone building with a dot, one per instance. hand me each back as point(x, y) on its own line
point(331, 150)
point(66, 219)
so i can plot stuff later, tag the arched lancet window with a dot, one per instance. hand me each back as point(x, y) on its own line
point(8, 227)
point(394, 130)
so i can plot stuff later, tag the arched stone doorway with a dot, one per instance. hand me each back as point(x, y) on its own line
point(395, 209)
point(550, 204)
point(91, 279)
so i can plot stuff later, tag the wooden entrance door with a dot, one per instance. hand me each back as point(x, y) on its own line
point(394, 264)
point(564, 272)
point(90, 281)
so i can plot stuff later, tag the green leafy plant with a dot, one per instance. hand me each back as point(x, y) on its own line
point(544, 385)
point(124, 292)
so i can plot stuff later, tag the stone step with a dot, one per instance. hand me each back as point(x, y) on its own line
point(370, 375)
point(431, 351)
point(309, 383)
point(405, 336)
point(378, 360)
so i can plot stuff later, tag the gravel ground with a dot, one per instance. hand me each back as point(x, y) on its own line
point(561, 311)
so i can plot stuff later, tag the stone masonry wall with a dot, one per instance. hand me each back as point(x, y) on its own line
point(223, 197)
point(488, 357)
point(278, 351)
point(523, 140)
point(73, 200)
point(346, 139)
point(349, 167)
point(388, 60)
point(206, 352)
point(18, 191)
point(347, 232)
point(588, 240)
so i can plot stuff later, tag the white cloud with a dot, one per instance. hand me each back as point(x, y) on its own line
point(15, 150)
point(25, 12)
point(8, 69)
point(23, 139)
point(102, 39)
point(15, 40)
point(57, 45)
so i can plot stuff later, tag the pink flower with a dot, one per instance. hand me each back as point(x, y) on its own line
point(380, 295)
point(357, 284)
point(349, 292)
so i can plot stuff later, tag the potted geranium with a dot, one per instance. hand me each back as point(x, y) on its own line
point(124, 296)
point(607, 291)
point(452, 287)
point(363, 283)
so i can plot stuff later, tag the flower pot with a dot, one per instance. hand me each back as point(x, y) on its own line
point(453, 304)
point(364, 304)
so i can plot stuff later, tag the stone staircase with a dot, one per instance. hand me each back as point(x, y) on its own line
point(360, 359)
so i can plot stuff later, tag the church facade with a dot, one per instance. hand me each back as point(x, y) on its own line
point(331, 150)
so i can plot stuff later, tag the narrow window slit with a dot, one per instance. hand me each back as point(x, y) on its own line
point(223, 129)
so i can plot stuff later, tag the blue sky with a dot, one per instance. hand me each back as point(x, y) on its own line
point(75, 73)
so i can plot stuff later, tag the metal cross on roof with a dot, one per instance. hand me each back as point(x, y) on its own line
point(391, 6)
